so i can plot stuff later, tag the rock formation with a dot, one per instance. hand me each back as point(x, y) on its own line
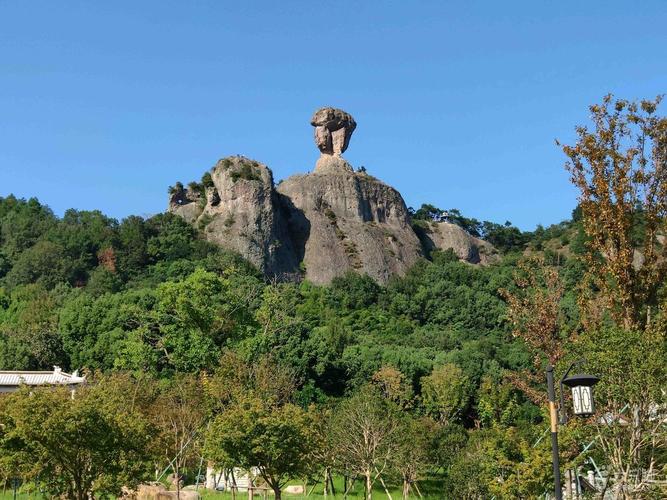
point(333, 129)
point(241, 211)
point(318, 225)
point(445, 235)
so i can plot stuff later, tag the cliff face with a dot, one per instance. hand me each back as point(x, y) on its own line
point(241, 211)
point(345, 221)
point(318, 225)
point(445, 235)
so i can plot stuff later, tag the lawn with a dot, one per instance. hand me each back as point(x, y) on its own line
point(430, 489)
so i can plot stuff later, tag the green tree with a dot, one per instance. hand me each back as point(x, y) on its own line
point(445, 393)
point(76, 446)
point(279, 440)
point(630, 402)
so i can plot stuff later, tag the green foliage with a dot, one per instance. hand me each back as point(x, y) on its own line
point(246, 172)
point(276, 440)
point(445, 393)
point(207, 180)
point(76, 446)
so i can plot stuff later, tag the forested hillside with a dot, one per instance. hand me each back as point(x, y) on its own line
point(86, 291)
point(444, 366)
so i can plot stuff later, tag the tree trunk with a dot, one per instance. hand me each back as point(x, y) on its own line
point(277, 492)
point(406, 488)
point(326, 482)
point(368, 486)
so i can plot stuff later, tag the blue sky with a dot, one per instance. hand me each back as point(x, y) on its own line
point(105, 104)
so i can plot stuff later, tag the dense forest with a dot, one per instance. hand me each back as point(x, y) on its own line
point(452, 355)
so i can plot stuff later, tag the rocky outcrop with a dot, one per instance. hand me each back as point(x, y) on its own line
point(445, 236)
point(239, 209)
point(318, 225)
point(350, 221)
point(333, 130)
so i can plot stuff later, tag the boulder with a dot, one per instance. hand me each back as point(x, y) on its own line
point(445, 236)
point(333, 130)
point(294, 489)
point(159, 492)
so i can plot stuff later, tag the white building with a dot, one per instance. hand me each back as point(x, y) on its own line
point(11, 381)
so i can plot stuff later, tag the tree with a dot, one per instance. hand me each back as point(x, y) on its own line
point(630, 402)
point(180, 414)
point(445, 393)
point(278, 440)
point(411, 458)
point(534, 313)
point(620, 170)
point(392, 385)
point(364, 433)
point(28, 329)
point(77, 446)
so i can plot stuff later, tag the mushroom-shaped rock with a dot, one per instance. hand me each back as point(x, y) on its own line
point(333, 129)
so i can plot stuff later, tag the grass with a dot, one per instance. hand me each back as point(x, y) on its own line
point(431, 490)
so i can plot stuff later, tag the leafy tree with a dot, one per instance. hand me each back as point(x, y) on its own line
point(22, 223)
point(29, 336)
point(75, 445)
point(392, 385)
point(276, 439)
point(445, 393)
point(630, 402)
point(44, 263)
point(618, 168)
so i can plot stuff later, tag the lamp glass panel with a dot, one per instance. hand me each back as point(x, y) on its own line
point(586, 399)
point(576, 400)
point(582, 400)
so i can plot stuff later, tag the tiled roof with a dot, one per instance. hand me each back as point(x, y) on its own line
point(56, 377)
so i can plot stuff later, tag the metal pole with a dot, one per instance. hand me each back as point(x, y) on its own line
point(553, 415)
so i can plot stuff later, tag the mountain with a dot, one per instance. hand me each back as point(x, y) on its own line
point(317, 225)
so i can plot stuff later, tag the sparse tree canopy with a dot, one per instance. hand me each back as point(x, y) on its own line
point(620, 169)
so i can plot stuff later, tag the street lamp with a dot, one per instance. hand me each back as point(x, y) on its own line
point(582, 398)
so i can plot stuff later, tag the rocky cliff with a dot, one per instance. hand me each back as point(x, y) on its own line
point(318, 225)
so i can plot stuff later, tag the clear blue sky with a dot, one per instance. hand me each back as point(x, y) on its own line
point(103, 104)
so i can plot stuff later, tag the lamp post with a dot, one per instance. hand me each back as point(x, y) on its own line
point(582, 398)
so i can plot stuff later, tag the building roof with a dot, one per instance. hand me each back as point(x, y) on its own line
point(56, 377)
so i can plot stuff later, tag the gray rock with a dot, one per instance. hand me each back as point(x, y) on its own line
point(346, 221)
point(333, 130)
point(319, 225)
point(242, 213)
point(445, 236)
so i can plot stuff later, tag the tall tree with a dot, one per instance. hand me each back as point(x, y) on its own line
point(620, 169)
point(365, 431)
